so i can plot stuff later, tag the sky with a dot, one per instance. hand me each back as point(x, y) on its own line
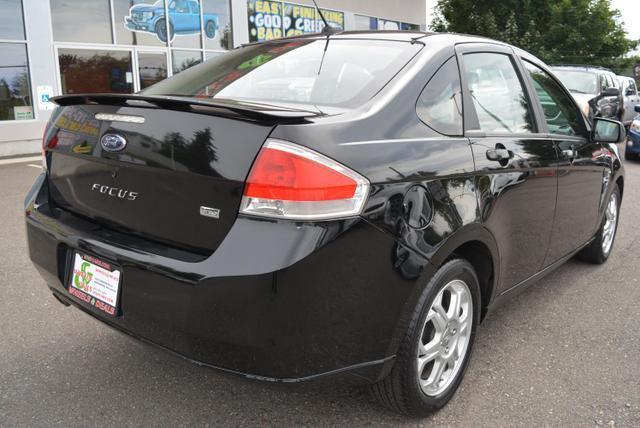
point(630, 10)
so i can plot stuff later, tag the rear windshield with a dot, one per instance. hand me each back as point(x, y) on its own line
point(330, 72)
point(582, 82)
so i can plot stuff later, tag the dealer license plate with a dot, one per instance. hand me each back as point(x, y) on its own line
point(95, 282)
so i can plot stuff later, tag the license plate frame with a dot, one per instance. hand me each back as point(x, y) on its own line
point(95, 282)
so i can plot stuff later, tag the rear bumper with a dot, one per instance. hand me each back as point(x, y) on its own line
point(276, 301)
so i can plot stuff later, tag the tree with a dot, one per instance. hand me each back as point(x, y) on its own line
point(557, 31)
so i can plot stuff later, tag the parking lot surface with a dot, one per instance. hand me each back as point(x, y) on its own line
point(566, 352)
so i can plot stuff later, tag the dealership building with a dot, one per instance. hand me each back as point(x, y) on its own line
point(54, 47)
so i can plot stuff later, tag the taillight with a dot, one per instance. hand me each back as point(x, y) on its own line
point(293, 182)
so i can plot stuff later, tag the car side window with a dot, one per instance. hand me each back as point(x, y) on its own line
point(560, 112)
point(440, 103)
point(497, 93)
point(632, 87)
point(605, 82)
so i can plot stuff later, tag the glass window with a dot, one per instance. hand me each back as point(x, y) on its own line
point(560, 112)
point(385, 24)
point(140, 22)
point(440, 103)
point(632, 87)
point(217, 24)
point(184, 23)
point(152, 68)
point(364, 23)
point(497, 94)
point(95, 71)
point(341, 73)
point(409, 27)
point(15, 89)
point(581, 82)
point(604, 82)
point(87, 21)
point(185, 59)
point(11, 20)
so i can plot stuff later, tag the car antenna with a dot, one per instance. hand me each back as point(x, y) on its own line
point(328, 29)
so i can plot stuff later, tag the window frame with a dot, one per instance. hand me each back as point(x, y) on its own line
point(26, 43)
point(470, 116)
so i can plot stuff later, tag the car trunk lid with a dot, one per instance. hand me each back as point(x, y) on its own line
point(179, 178)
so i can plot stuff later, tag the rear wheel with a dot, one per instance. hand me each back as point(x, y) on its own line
point(435, 351)
point(599, 249)
point(629, 156)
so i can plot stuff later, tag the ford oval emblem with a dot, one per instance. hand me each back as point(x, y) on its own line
point(113, 142)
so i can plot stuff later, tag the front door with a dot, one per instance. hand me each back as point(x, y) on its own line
point(580, 170)
point(515, 163)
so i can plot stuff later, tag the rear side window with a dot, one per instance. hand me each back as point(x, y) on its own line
point(560, 112)
point(497, 94)
point(632, 87)
point(440, 103)
point(323, 72)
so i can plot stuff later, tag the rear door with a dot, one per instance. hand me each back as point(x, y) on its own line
point(515, 162)
point(580, 171)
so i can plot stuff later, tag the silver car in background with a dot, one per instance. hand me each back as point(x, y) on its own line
point(631, 99)
point(595, 89)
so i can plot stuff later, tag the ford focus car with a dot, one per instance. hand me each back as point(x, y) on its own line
point(350, 203)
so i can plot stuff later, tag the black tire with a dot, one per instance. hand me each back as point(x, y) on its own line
point(400, 391)
point(161, 31)
point(594, 252)
point(630, 156)
point(210, 29)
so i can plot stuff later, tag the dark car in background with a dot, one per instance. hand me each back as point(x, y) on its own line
point(597, 90)
point(632, 148)
point(352, 203)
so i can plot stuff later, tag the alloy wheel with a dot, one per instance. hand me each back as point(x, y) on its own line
point(445, 338)
point(611, 221)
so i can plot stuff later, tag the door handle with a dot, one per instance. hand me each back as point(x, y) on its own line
point(499, 154)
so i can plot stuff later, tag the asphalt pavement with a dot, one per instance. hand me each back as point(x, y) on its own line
point(564, 353)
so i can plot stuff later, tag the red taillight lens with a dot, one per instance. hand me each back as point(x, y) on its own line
point(290, 181)
point(286, 176)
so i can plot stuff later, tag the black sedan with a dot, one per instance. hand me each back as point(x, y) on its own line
point(349, 203)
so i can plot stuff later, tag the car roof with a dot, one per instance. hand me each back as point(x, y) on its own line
point(581, 67)
point(399, 35)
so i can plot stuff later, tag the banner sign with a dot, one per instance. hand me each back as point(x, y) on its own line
point(299, 20)
point(270, 20)
point(265, 20)
point(333, 17)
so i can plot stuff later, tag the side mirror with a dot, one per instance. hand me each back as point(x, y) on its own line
point(637, 108)
point(611, 92)
point(608, 131)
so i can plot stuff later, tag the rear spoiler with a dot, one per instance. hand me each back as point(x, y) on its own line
point(216, 107)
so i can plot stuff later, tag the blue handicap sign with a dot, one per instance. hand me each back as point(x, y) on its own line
point(45, 98)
